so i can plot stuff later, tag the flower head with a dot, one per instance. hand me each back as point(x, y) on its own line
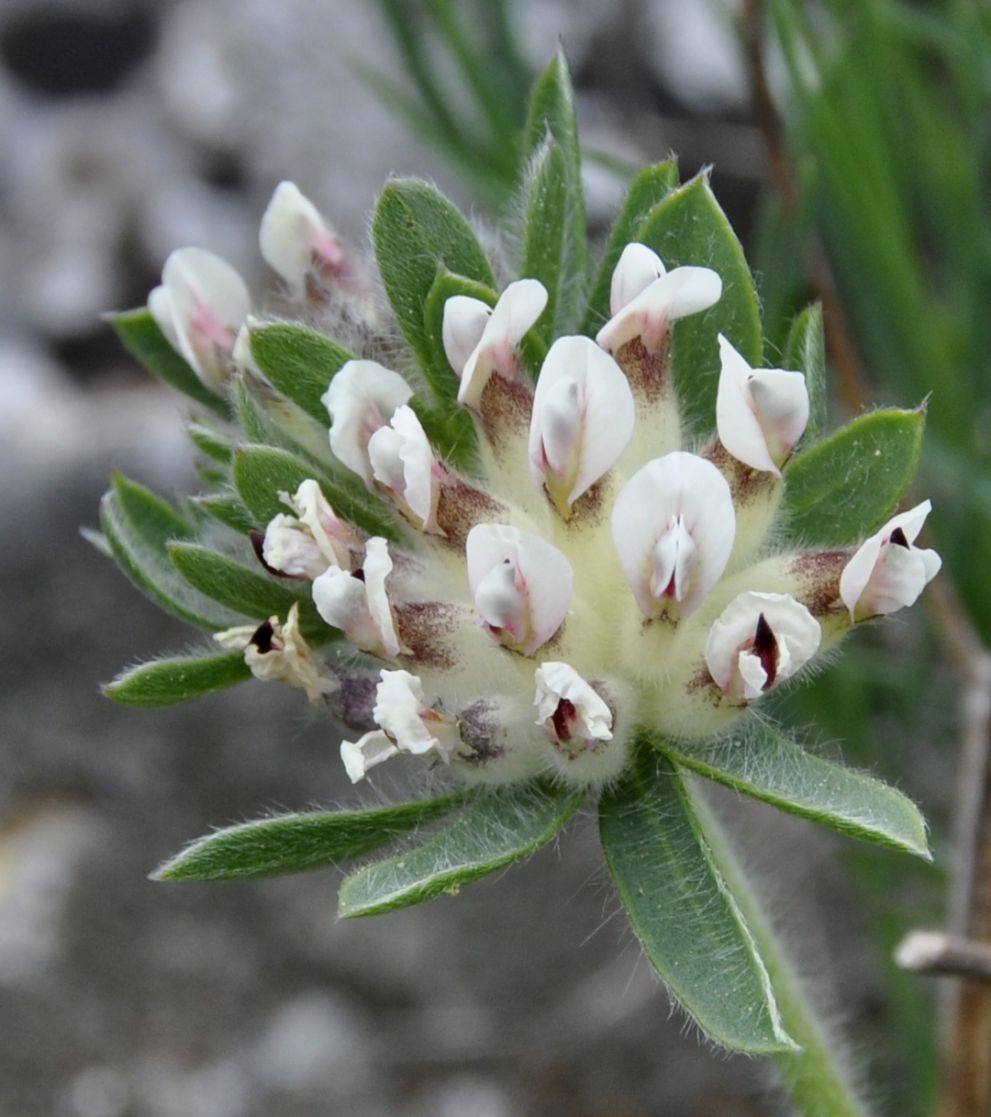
point(888, 572)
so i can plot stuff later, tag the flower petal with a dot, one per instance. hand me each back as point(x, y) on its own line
point(296, 241)
point(359, 606)
point(335, 537)
point(377, 567)
point(209, 302)
point(760, 413)
point(371, 749)
point(520, 583)
point(887, 572)
point(464, 323)
point(568, 707)
point(583, 417)
point(362, 397)
point(401, 711)
point(519, 306)
point(290, 550)
point(402, 460)
point(759, 640)
point(673, 526)
point(637, 267)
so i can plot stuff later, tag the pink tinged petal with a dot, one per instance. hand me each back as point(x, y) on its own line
point(401, 711)
point(160, 308)
point(759, 640)
point(464, 323)
point(673, 526)
point(361, 755)
point(583, 417)
point(296, 241)
point(209, 302)
point(362, 397)
point(519, 306)
point(638, 266)
point(760, 413)
point(569, 708)
point(335, 537)
point(402, 460)
point(359, 606)
point(520, 583)
point(887, 572)
point(667, 298)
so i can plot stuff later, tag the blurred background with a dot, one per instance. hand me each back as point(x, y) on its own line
point(850, 149)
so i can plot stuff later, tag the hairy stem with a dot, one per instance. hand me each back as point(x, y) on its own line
point(817, 1077)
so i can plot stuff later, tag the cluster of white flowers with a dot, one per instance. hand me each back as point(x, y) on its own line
point(592, 576)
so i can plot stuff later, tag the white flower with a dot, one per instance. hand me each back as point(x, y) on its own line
point(759, 640)
point(568, 708)
point(401, 712)
point(520, 583)
point(887, 572)
point(760, 413)
point(673, 526)
point(362, 397)
point(371, 749)
point(277, 652)
point(403, 463)
point(480, 340)
point(645, 299)
point(583, 417)
point(358, 604)
point(305, 544)
point(200, 307)
point(296, 241)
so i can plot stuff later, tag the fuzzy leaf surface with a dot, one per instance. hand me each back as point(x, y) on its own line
point(299, 362)
point(417, 231)
point(765, 763)
point(690, 925)
point(227, 509)
point(262, 472)
point(138, 527)
point(847, 485)
point(143, 339)
point(296, 843)
point(167, 682)
point(211, 442)
point(688, 227)
point(805, 351)
point(650, 186)
point(494, 830)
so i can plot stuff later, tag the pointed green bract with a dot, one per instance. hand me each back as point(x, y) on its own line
point(417, 231)
point(144, 340)
point(765, 763)
point(689, 228)
point(262, 472)
point(650, 186)
point(555, 250)
point(255, 596)
point(299, 362)
point(847, 485)
point(681, 910)
point(138, 526)
point(215, 445)
point(227, 509)
point(296, 843)
point(494, 830)
point(270, 417)
point(167, 682)
point(805, 351)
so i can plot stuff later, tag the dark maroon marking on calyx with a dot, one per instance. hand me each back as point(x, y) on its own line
point(819, 573)
point(646, 371)
point(478, 728)
point(505, 408)
point(424, 628)
point(745, 484)
point(460, 507)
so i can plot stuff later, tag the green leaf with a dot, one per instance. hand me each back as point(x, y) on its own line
point(262, 472)
point(555, 249)
point(805, 351)
point(417, 231)
point(144, 340)
point(650, 186)
point(494, 830)
point(138, 526)
point(271, 418)
point(846, 486)
point(688, 227)
point(295, 843)
point(167, 682)
point(214, 444)
point(226, 508)
point(761, 761)
point(299, 362)
point(254, 595)
point(682, 911)
point(548, 252)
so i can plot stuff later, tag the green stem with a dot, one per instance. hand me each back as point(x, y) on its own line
point(818, 1078)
